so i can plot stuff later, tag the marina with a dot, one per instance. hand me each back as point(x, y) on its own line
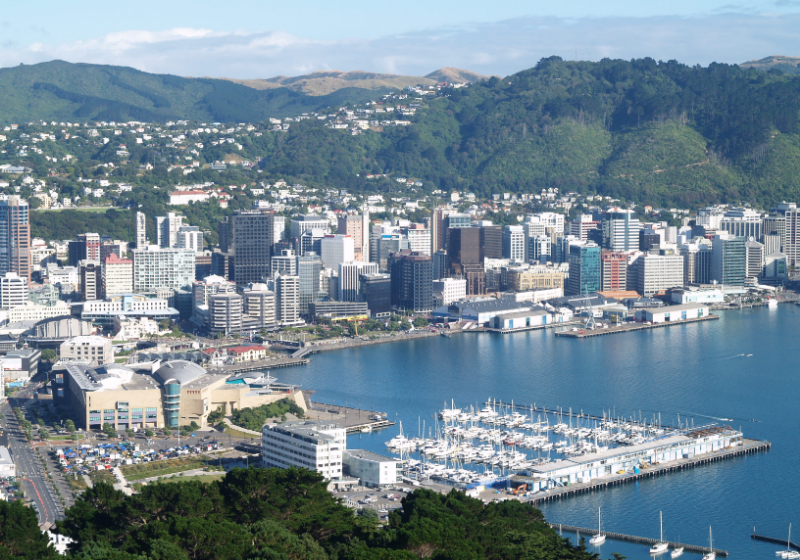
point(637, 540)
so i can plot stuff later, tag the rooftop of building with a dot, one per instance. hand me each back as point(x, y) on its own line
point(245, 349)
point(89, 339)
point(682, 307)
point(114, 259)
point(520, 314)
point(5, 456)
point(371, 456)
point(307, 430)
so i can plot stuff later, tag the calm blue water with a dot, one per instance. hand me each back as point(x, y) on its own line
point(695, 369)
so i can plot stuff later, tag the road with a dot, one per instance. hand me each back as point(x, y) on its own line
point(29, 467)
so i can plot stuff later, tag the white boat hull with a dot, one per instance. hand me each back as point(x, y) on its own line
point(597, 539)
point(710, 556)
point(660, 548)
point(676, 553)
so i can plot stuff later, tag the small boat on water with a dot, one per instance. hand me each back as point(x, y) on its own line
point(660, 547)
point(785, 553)
point(366, 429)
point(599, 538)
point(711, 554)
point(676, 553)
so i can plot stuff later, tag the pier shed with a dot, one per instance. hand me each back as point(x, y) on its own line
point(584, 468)
point(672, 313)
point(531, 318)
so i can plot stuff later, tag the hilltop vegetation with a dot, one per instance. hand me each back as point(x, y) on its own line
point(271, 514)
point(778, 63)
point(84, 92)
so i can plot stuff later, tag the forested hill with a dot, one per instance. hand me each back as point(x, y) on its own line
point(640, 130)
point(85, 92)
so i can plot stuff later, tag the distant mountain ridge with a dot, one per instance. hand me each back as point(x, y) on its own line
point(786, 64)
point(323, 82)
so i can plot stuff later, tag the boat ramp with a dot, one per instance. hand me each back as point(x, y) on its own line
point(634, 539)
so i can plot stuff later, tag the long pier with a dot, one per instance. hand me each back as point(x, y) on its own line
point(638, 540)
point(628, 327)
point(782, 542)
point(748, 447)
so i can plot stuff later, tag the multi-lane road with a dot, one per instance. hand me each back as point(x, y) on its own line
point(29, 468)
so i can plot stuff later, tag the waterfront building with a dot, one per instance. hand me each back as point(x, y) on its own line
point(349, 287)
point(791, 242)
point(696, 261)
point(448, 290)
point(704, 296)
point(91, 280)
point(316, 445)
point(225, 313)
point(337, 310)
point(728, 260)
point(171, 394)
point(412, 281)
point(523, 279)
point(259, 307)
point(466, 257)
point(672, 313)
point(742, 222)
point(15, 237)
point(514, 243)
point(137, 306)
point(372, 469)
point(754, 258)
point(376, 290)
point(585, 274)
point(614, 272)
point(253, 238)
point(776, 267)
point(658, 273)
point(155, 267)
point(337, 249)
point(87, 350)
point(167, 230)
point(308, 222)
point(141, 230)
point(620, 230)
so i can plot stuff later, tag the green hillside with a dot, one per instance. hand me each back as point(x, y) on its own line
point(83, 92)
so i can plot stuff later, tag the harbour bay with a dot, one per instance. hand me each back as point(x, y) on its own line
point(700, 371)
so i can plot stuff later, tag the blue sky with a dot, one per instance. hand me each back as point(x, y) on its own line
point(251, 38)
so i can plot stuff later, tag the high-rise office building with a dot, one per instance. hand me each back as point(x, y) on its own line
point(190, 237)
point(582, 225)
point(86, 246)
point(772, 243)
point(13, 291)
point(308, 267)
point(225, 312)
point(287, 292)
point(412, 281)
point(438, 230)
point(728, 259)
point(167, 228)
point(514, 243)
point(349, 288)
point(337, 249)
point(155, 267)
point(254, 236)
point(117, 276)
point(376, 290)
point(649, 239)
point(419, 238)
point(658, 273)
point(91, 280)
point(791, 242)
point(754, 255)
point(357, 227)
point(141, 230)
point(614, 274)
point(585, 276)
point(620, 230)
point(696, 261)
point(539, 249)
point(742, 222)
point(441, 265)
point(15, 237)
point(308, 222)
point(284, 263)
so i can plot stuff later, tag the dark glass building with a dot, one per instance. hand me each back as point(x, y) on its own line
point(412, 281)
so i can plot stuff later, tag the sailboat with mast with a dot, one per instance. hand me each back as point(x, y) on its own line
point(599, 538)
point(788, 554)
point(711, 554)
point(660, 547)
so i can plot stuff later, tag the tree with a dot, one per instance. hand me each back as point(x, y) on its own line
point(20, 536)
point(44, 433)
point(130, 433)
point(40, 420)
point(149, 433)
point(70, 426)
point(49, 355)
point(420, 322)
point(109, 430)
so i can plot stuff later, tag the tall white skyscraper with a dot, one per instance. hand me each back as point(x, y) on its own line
point(350, 281)
point(190, 237)
point(337, 249)
point(141, 230)
point(514, 243)
point(167, 228)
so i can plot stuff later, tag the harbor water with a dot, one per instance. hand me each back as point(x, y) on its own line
point(741, 368)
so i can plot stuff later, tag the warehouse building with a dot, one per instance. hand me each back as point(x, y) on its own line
point(374, 470)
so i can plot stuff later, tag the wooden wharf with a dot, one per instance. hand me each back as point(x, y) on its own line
point(634, 539)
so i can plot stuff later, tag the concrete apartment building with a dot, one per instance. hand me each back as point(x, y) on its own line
point(314, 445)
point(13, 291)
point(155, 267)
point(87, 350)
point(117, 276)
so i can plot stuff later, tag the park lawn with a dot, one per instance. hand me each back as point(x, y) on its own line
point(237, 433)
point(160, 468)
point(201, 477)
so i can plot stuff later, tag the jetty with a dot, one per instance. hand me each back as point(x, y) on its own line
point(748, 447)
point(628, 327)
point(638, 540)
point(772, 540)
point(353, 420)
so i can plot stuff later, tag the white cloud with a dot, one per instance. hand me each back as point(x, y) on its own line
point(494, 48)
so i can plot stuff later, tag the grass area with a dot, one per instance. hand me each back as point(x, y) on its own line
point(104, 475)
point(237, 433)
point(201, 477)
point(161, 468)
point(65, 438)
point(76, 483)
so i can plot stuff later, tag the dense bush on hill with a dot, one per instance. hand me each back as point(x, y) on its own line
point(254, 418)
point(259, 514)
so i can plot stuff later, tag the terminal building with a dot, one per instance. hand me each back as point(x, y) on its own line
point(374, 470)
point(156, 394)
point(317, 445)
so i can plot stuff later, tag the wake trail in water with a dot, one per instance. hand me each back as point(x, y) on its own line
point(707, 416)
